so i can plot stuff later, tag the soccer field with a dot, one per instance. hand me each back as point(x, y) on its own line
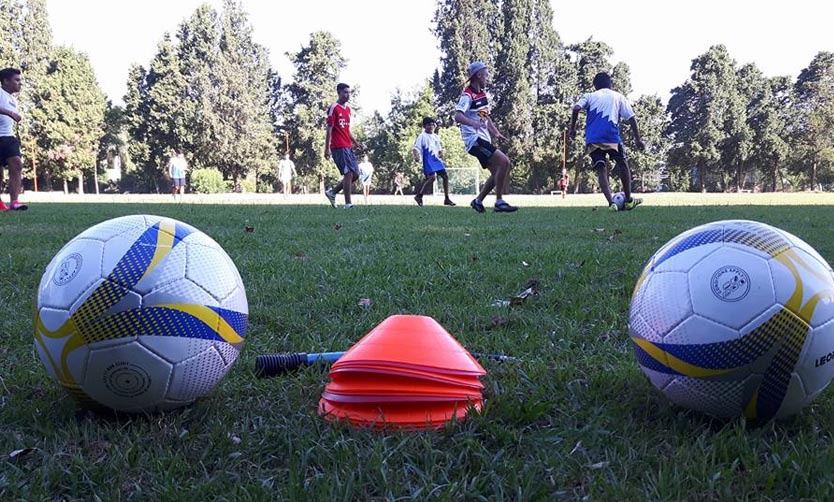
point(574, 417)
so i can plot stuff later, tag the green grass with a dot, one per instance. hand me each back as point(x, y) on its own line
point(574, 418)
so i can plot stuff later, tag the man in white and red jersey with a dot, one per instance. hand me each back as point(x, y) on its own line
point(606, 108)
point(338, 143)
point(476, 128)
point(9, 143)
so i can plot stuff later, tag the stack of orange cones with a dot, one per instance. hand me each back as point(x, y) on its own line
point(408, 373)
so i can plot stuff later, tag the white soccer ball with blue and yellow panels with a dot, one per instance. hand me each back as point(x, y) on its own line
point(736, 318)
point(140, 314)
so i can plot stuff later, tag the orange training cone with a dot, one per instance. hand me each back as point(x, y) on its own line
point(407, 372)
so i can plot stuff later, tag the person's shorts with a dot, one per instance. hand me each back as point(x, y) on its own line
point(598, 154)
point(178, 182)
point(439, 172)
point(9, 147)
point(482, 150)
point(366, 180)
point(345, 160)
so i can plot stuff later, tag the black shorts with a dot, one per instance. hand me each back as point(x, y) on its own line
point(9, 147)
point(598, 155)
point(345, 160)
point(482, 150)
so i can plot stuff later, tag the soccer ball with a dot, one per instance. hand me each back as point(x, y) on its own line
point(736, 318)
point(619, 199)
point(140, 314)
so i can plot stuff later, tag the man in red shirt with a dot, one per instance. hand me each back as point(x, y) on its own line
point(338, 144)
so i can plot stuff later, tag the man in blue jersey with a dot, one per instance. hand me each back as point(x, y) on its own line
point(428, 148)
point(605, 109)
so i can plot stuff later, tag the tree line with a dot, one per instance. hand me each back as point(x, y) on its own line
point(210, 91)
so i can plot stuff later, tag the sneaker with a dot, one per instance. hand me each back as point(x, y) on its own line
point(347, 206)
point(613, 207)
point(477, 205)
point(502, 207)
point(331, 197)
point(419, 199)
point(448, 202)
point(631, 204)
point(18, 206)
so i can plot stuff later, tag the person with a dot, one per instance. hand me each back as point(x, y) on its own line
point(428, 147)
point(10, 83)
point(563, 183)
point(605, 108)
point(177, 167)
point(399, 178)
point(338, 144)
point(476, 130)
point(366, 173)
point(286, 170)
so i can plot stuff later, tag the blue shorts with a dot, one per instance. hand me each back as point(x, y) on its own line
point(179, 182)
point(345, 160)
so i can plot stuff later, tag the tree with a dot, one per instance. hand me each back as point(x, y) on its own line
point(648, 166)
point(243, 98)
point(815, 124)
point(313, 90)
point(71, 114)
point(698, 111)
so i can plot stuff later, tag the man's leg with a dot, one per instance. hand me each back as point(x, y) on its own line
point(347, 185)
point(15, 178)
point(602, 174)
point(501, 170)
point(625, 177)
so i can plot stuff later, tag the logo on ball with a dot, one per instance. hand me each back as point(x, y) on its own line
point(68, 269)
point(126, 379)
point(730, 283)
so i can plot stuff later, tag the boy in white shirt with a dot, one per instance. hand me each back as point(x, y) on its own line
point(10, 82)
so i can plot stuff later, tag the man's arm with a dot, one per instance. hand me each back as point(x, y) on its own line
point(327, 141)
point(11, 113)
point(494, 130)
point(573, 116)
point(635, 131)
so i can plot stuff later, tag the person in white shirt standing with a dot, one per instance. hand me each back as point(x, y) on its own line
point(366, 174)
point(10, 81)
point(177, 167)
point(286, 171)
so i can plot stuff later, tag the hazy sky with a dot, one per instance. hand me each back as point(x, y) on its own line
point(389, 44)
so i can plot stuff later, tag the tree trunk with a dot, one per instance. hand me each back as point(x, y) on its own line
point(81, 183)
point(814, 176)
point(775, 175)
point(66, 187)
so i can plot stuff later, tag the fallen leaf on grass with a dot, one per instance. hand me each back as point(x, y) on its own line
point(337, 226)
point(615, 234)
point(599, 230)
point(364, 302)
point(299, 256)
point(578, 448)
point(22, 453)
point(497, 321)
point(599, 465)
point(500, 303)
point(248, 229)
point(525, 264)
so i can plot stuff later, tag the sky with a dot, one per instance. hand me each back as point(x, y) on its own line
point(389, 44)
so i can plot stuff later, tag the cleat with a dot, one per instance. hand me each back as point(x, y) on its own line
point(348, 206)
point(477, 205)
point(448, 202)
point(631, 204)
point(419, 199)
point(503, 207)
point(613, 207)
point(18, 206)
point(331, 197)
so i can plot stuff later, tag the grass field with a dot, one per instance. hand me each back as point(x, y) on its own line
point(575, 418)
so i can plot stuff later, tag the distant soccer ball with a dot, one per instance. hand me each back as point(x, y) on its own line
point(736, 318)
point(140, 314)
point(619, 199)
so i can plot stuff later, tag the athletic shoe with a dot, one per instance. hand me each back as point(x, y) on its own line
point(477, 205)
point(3, 206)
point(331, 197)
point(419, 199)
point(502, 207)
point(634, 202)
point(613, 207)
point(18, 206)
point(448, 202)
point(347, 206)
